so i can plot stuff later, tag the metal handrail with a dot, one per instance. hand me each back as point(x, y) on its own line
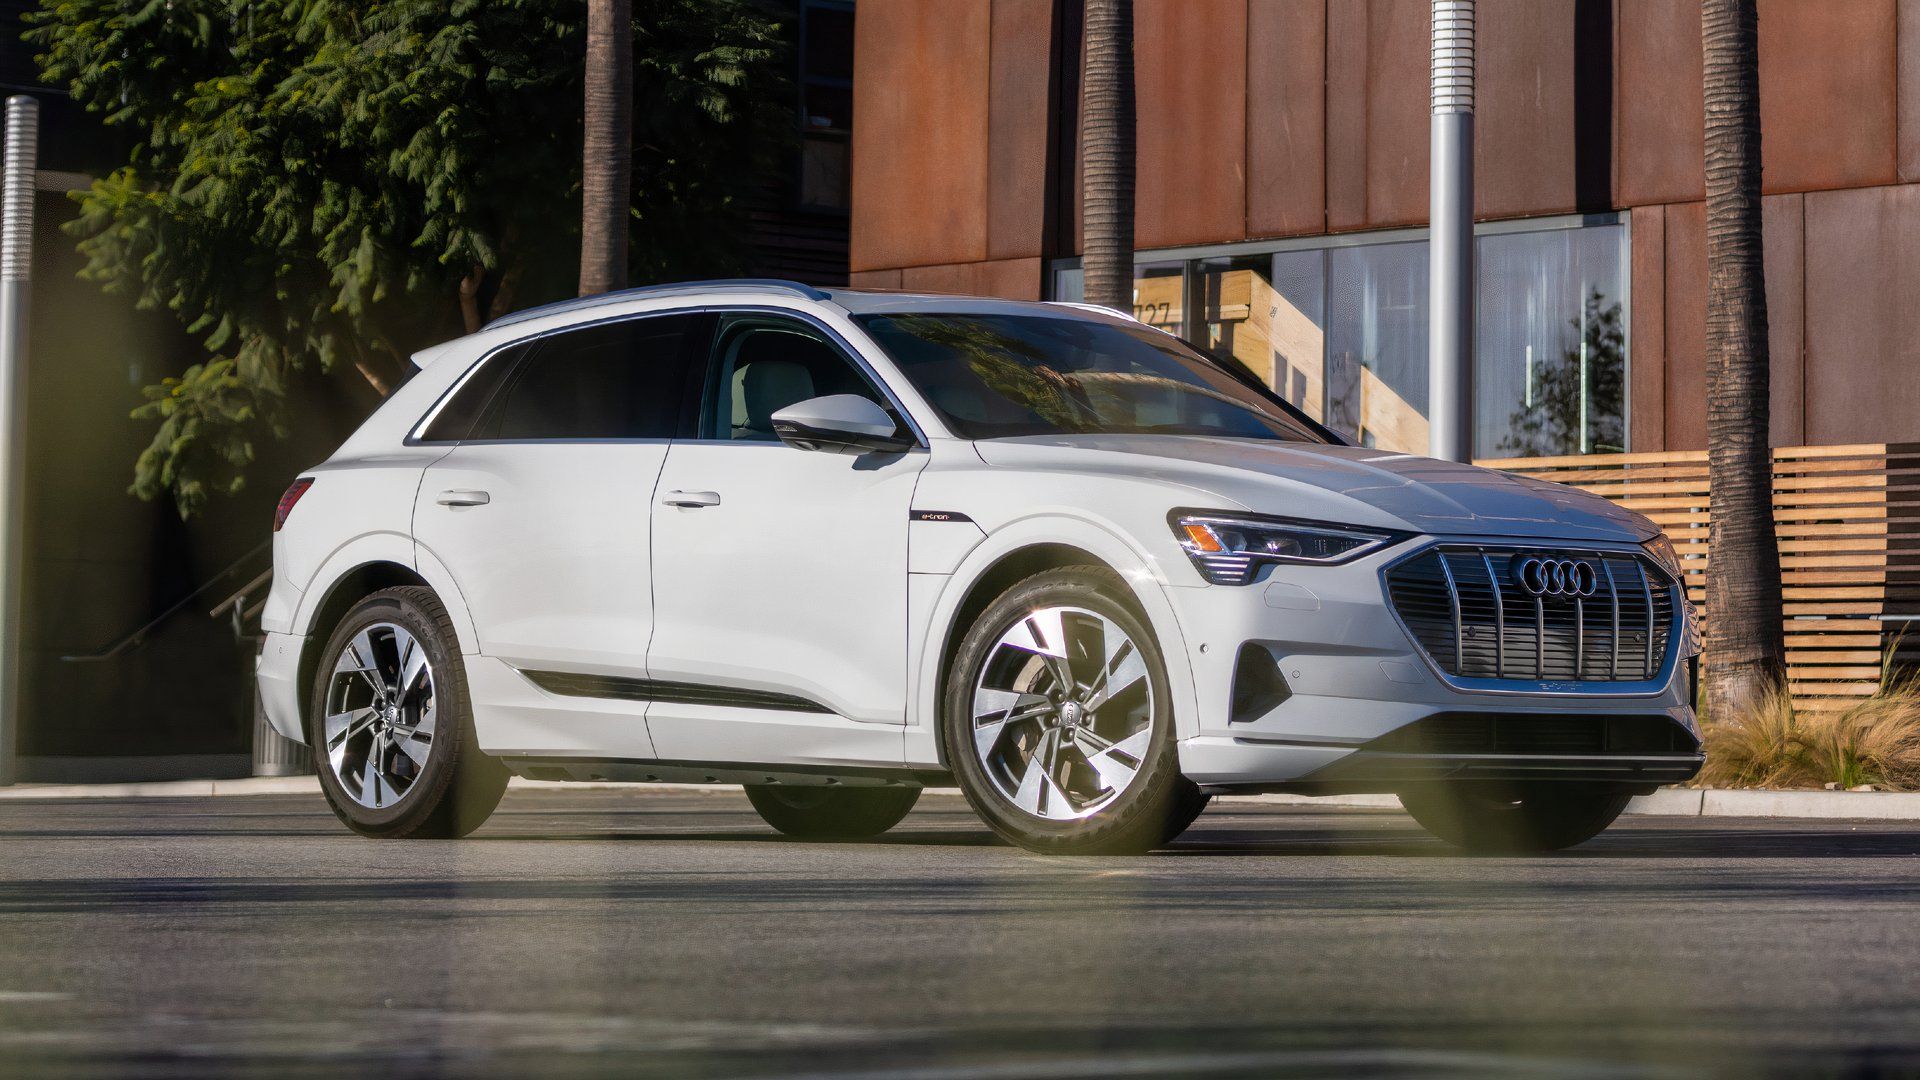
point(245, 590)
point(237, 603)
point(139, 636)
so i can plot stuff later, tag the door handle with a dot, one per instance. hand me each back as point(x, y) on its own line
point(692, 498)
point(464, 498)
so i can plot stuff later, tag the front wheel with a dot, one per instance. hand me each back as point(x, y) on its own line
point(1058, 720)
point(819, 812)
point(1522, 819)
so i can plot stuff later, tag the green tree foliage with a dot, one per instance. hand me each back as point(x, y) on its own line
point(337, 183)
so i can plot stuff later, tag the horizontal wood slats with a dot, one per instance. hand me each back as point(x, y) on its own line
point(1849, 524)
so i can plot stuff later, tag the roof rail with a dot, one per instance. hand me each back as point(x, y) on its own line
point(584, 303)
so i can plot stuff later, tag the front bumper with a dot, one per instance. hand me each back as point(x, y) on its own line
point(1353, 675)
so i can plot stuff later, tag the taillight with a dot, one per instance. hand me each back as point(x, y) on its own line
point(292, 496)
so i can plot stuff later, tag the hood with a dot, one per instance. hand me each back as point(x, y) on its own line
point(1346, 484)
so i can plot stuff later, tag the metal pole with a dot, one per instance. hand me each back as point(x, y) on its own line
point(1450, 254)
point(16, 273)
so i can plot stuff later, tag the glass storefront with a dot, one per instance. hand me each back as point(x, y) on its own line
point(1338, 326)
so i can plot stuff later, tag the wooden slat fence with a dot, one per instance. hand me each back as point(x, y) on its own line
point(1849, 524)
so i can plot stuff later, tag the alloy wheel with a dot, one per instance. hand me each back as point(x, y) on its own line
point(1063, 713)
point(379, 719)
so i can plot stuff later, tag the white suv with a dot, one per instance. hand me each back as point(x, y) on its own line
point(837, 545)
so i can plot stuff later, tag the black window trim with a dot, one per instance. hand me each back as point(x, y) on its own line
point(839, 341)
point(495, 355)
point(697, 373)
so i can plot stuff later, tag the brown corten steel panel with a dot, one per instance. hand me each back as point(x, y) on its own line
point(874, 279)
point(1018, 131)
point(1398, 112)
point(1826, 93)
point(1781, 232)
point(1686, 304)
point(1863, 326)
point(1523, 122)
point(1010, 279)
point(1345, 146)
point(1190, 63)
point(1908, 107)
point(1286, 117)
point(920, 132)
point(1647, 362)
point(1661, 123)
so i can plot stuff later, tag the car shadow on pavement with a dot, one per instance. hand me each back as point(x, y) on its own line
point(1680, 842)
point(1687, 842)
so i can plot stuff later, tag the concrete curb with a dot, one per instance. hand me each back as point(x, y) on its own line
point(1697, 802)
point(1667, 802)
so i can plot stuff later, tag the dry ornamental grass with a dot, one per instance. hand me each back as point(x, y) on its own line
point(1874, 741)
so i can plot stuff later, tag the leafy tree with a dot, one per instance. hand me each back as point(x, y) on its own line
point(336, 183)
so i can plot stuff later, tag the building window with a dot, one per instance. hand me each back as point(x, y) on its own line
point(826, 103)
point(1338, 326)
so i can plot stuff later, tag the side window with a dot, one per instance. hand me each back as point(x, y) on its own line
point(463, 410)
point(616, 380)
point(763, 364)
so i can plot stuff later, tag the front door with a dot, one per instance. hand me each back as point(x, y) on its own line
point(780, 575)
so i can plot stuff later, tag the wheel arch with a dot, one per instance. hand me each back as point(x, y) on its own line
point(346, 590)
point(993, 568)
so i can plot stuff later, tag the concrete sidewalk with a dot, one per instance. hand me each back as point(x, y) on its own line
point(1668, 802)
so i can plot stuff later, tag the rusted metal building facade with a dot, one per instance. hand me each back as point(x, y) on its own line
point(1282, 196)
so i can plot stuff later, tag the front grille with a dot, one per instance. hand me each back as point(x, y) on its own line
point(1476, 619)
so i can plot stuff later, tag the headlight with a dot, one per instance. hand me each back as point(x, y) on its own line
point(1661, 550)
point(1228, 549)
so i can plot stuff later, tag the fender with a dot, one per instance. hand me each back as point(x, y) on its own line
point(384, 547)
point(428, 566)
point(390, 547)
point(1139, 569)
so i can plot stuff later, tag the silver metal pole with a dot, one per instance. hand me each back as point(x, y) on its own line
point(1450, 254)
point(16, 273)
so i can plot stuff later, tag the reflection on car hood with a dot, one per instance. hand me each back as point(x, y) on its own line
point(1351, 484)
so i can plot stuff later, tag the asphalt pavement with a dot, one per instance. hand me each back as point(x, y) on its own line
point(671, 934)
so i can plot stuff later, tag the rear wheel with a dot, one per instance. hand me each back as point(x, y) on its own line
point(1059, 724)
point(391, 726)
point(818, 812)
point(1515, 819)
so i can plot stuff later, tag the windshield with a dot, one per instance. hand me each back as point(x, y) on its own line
point(998, 376)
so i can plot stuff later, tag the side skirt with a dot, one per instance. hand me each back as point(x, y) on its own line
point(628, 771)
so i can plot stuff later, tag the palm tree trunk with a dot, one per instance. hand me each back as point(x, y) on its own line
point(607, 165)
point(1745, 650)
point(1106, 145)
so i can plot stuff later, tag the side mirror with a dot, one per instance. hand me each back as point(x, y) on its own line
point(839, 424)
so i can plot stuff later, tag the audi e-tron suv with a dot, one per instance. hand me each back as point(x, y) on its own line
point(836, 545)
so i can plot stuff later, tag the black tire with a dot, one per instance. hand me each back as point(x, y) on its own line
point(1155, 806)
point(1526, 819)
point(455, 790)
point(1188, 804)
point(823, 812)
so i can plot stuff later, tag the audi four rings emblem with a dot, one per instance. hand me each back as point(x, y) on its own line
point(1557, 577)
